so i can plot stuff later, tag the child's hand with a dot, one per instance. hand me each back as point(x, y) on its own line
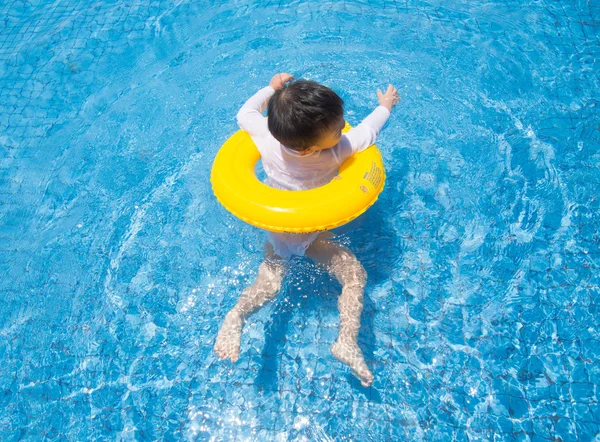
point(279, 80)
point(390, 98)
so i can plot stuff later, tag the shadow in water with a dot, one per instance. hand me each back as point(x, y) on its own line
point(300, 295)
point(275, 336)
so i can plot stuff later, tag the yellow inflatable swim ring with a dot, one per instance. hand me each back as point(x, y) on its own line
point(359, 182)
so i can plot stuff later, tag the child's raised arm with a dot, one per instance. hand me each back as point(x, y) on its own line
point(250, 117)
point(365, 134)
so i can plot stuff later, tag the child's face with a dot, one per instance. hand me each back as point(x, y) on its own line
point(329, 138)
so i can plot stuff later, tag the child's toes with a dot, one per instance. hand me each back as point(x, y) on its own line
point(364, 375)
point(221, 350)
point(234, 352)
point(366, 379)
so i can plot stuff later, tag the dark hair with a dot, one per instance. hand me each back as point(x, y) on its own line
point(301, 112)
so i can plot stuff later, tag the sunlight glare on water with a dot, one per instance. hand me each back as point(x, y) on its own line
point(482, 253)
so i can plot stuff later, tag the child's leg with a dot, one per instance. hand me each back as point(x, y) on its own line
point(342, 263)
point(265, 287)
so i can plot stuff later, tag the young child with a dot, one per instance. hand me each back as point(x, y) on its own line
point(302, 147)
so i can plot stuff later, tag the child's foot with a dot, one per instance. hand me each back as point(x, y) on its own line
point(349, 353)
point(227, 345)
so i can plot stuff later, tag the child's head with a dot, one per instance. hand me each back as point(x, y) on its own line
point(305, 115)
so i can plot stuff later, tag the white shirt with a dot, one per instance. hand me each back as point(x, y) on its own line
point(288, 170)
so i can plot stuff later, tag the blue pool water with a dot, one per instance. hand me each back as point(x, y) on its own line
point(482, 311)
